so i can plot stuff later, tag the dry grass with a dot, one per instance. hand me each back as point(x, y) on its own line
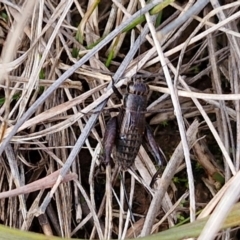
point(55, 103)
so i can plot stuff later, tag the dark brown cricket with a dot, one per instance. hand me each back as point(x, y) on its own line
point(129, 128)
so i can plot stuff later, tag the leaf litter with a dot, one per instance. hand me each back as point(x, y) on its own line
point(57, 59)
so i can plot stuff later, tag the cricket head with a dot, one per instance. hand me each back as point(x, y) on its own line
point(138, 88)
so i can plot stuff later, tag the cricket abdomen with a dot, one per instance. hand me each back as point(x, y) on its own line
point(131, 121)
point(127, 147)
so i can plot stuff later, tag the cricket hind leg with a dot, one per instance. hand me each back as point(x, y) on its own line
point(109, 140)
point(154, 149)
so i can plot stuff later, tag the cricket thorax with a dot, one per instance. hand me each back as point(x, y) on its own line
point(135, 100)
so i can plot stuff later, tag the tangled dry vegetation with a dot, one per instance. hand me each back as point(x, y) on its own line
point(58, 57)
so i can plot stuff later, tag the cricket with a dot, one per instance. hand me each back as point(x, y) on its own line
point(129, 129)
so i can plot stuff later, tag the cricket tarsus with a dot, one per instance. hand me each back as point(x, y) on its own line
point(128, 130)
point(155, 176)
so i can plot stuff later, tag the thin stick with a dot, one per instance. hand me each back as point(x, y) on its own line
point(178, 113)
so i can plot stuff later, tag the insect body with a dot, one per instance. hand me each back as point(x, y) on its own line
point(128, 130)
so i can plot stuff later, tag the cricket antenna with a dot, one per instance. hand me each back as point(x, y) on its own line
point(136, 78)
point(122, 175)
point(138, 54)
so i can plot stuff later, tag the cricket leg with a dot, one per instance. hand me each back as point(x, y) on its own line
point(159, 156)
point(115, 90)
point(149, 138)
point(109, 140)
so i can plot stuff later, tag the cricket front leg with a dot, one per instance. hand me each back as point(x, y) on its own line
point(159, 156)
point(115, 90)
point(109, 140)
